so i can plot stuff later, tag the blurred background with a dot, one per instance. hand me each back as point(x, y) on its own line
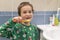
point(43, 10)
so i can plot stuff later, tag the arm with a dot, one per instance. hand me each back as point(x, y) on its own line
point(16, 31)
point(5, 29)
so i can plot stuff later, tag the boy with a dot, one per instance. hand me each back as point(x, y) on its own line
point(19, 28)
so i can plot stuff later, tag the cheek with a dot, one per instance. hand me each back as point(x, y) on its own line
point(23, 16)
point(32, 15)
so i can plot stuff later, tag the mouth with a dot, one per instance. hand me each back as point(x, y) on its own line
point(28, 19)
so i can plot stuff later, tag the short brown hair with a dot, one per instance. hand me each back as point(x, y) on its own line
point(23, 4)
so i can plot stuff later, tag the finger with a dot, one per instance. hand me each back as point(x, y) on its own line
point(15, 19)
point(20, 19)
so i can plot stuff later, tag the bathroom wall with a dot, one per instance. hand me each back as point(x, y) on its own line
point(43, 10)
point(40, 17)
point(39, 5)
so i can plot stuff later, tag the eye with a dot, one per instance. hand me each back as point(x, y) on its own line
point(30, 11)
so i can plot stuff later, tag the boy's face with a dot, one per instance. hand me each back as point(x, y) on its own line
point(26, 12)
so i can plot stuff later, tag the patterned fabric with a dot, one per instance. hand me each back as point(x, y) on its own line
point(18, 31)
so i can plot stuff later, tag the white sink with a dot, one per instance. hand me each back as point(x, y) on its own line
point(52, 34)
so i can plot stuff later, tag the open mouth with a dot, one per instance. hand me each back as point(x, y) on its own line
point(28, 17)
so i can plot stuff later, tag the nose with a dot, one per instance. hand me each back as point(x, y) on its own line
point(28, 14)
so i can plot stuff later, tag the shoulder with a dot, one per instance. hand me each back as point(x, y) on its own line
point(18, 25)
point(10, 18)
point(33, 25)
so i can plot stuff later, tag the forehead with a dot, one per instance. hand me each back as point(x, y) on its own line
point(26, 7)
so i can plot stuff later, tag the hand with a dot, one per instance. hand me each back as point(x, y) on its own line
point(17, 19)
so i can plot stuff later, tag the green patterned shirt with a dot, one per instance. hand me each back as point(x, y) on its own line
point(18, 31)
